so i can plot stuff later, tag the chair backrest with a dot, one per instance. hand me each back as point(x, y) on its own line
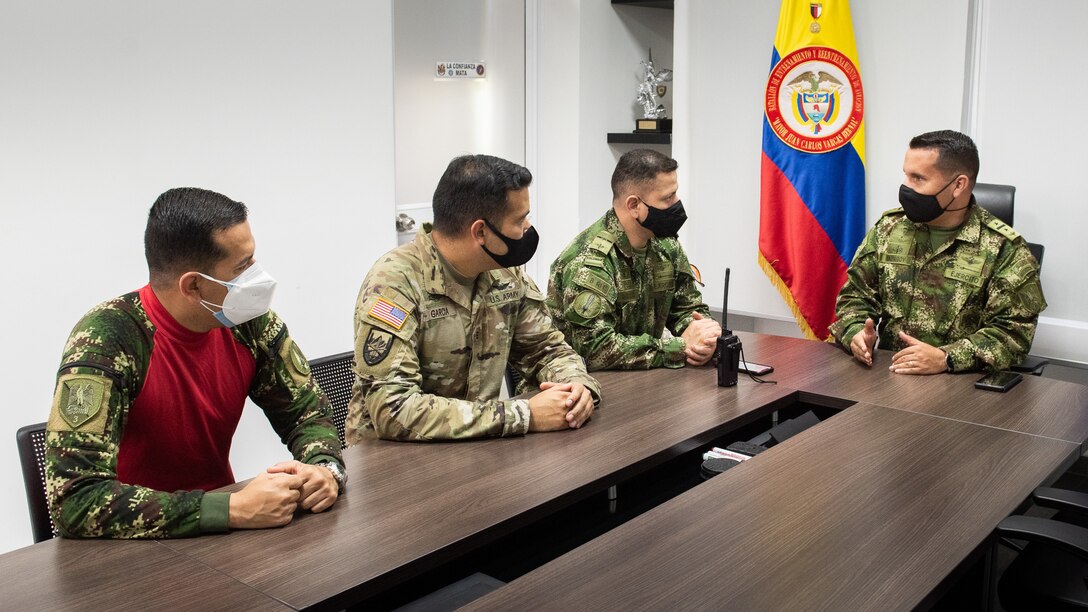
point(998, 199)
point(1037, 250)
point(30, 441)
point(335, 376)
point(513, 377)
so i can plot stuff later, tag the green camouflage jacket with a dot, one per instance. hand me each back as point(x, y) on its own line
point(108, 353)
point(613, 306)
point(976, 296)
point(429, 358)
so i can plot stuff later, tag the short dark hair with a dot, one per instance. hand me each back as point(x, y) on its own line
point(179, 231)
point(956, 152)
point(640, 166)
point(475, 187)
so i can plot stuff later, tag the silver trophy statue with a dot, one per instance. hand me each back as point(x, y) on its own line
point(652, 86)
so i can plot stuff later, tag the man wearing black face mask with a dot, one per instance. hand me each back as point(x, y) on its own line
point(625, 279)
point(437, 320)
point(955, 289)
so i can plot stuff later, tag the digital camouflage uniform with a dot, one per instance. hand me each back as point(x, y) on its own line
point(102, 370)
point(613, 305)
point(976, 296)
point(437, 375)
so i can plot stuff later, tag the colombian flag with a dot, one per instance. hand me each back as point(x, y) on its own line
point(812, 195)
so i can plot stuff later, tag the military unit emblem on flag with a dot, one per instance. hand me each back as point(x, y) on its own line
point(812, 184)
point(388, 312)
point(814, 99)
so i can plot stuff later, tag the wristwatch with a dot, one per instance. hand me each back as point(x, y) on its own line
point(948, 361)
point(338, 475)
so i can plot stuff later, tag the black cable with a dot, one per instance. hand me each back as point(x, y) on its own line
point(749, 373)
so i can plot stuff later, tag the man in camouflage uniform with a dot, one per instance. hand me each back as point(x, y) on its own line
point(152, 385)
point(953, 287)
point(626, 279)
point(437, 320)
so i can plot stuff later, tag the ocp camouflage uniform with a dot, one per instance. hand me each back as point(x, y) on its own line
point(105, 361)
point(976, 296)
point(438, 374)
point(613, 304)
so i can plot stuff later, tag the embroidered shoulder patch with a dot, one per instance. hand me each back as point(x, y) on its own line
point(80, 398)
point(377, 346)
point(388, 312)
point(588, 304)
point(697, 275)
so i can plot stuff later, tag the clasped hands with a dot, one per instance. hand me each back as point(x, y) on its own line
point(701, 338)
point(271, 499)
point(560, 406)
point(917, 358)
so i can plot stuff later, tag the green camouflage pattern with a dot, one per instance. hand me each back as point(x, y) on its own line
point(976, 296)
point(613, 305)
point(109, 350)
point(438, 376)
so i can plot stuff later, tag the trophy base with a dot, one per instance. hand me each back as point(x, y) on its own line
point(653, 126)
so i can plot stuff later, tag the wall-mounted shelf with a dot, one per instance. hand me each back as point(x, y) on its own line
point(639, 138)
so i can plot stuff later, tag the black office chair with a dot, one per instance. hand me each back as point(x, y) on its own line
point(335, 376)
point(513, 379)
point(30, 441)
point(1051, 572)
point(1000, 201)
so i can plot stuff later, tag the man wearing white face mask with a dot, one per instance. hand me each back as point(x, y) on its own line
point(152, 385)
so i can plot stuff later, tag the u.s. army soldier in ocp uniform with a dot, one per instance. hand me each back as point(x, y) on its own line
point(624, 280)
point(955, 288)
point(437, 320)
point(152, 385)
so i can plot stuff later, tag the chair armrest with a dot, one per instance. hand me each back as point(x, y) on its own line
point(1070, 538)
point(1061, 499)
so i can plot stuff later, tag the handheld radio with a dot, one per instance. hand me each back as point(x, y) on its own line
point(728, 349)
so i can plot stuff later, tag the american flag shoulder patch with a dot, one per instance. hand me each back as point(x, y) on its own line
point(388, 312)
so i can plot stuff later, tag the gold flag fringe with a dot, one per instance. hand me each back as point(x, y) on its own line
point(784, 291)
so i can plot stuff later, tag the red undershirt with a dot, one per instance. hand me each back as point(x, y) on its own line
point(180, 426)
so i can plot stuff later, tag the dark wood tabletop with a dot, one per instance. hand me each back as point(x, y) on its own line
point(824, 373)
point(870, 509)
point(410, 506)
point(97, 575)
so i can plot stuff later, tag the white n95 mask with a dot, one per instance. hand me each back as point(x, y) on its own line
point(248, 296)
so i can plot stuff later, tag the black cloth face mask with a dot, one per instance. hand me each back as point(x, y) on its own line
point(921, 208)
point(518, 252)
point(664, 223)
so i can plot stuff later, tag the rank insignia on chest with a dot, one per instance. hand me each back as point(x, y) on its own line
point(377, 346)
point(388, 312)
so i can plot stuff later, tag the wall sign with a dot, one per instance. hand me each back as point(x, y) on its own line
point(459, 70)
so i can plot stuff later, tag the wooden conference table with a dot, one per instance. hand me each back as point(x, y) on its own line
point(871, 508)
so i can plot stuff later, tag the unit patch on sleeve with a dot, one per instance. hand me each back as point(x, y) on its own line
point(81, 398)
point(377, 346)
point(588, 304)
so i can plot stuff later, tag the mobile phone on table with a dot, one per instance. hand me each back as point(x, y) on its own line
point(998, 381)
point(756, 369)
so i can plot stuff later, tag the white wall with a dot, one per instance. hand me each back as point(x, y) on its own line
point(437, 120)
point(1028, 110)
point(286, 106)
